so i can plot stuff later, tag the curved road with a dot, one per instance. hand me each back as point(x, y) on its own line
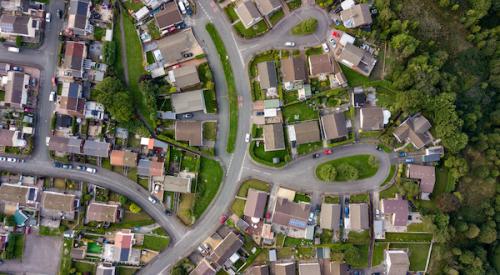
point(237, 165)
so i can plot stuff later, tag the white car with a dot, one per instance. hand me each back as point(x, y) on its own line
point(90, 170)
point(11, 160)
point(3, 158)
point(290, 44)
point(52, 96)
point(325, 47)
point(247, 138)
point(151, 199)
point(333, 42)
point(47, 17)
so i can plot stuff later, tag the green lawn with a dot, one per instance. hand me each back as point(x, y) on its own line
point(359, 198)
point(417, 253)
point(389, 192)
point(15, 246)
point(210, 130)
point(276, 16)
point(65, 264)
point(209, 180)
point(132, 220)
point(362, 261)
point(305, 27)
point(294, 4)
point(359, 162)
point(261, 156)
point(254, 31)
point(354, 78)
point(306, 148)
point(2, 95)
point(133, 5)
point(99, 33)
point(144, 183)
point(407, 237)
point(301, 198)
point(378, 253)
point(156, 243)
point(314, 51)
point(118, 65)
point(84, 267)
point(254, 184)
point(391, 174)
point(293, 242)
point(231, 13)
point(238, 206)
point(123, 270)
point(331, 199)
point(231, 86)
point(299, 112)
point(210, 101)
point(360, 238)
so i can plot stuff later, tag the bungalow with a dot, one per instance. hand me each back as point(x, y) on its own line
point(304, 132)
point(357, 220)
point(14, 196)
point(150, 168)
point(78, 18)
point(154, 144)
point(291, 217)
point(177, 48)
point(187, 102)
point(16, 89)
point(169, 18)
point(255, 204)
point(320, 66)
point(330, 216)
point(268, 78)
point(312, 268)
point(333, 126)
point(185, 77)
point(248, 13)
point(414, 130)
point(203, 268)
point(357, 59)
point(293, 72)
point(102, 212)
point(71, 102)
point(96, 149)
point(226, 249)
point(371, 118)
point(123, 158)
point(121, 251)
point(267, 7)
point(10, 138)
point(336, 268)
point(356, 16)
point(258, 270)
point(426, 175)
point(57, 206)
point(396, 262)
point(285, 268)
point(65, 145)
point(190, 131)
point(274, 139)
point(396, 212)
point(19, 25)
point(74, 55)
point(178, 184)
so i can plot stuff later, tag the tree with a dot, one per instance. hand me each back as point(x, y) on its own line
point(488, 234)
point(19, 41)
point(123, 200)
point(405, 45)
point(447, 202)
point(351, 255)
point(109, 52)
point(327, 172)
point(347, 172)
point(134, 208)
point(409, 189)
point(111, 93)
point(372, 161)
point(473, 231)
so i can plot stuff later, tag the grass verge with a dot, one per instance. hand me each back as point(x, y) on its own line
point(209, 180)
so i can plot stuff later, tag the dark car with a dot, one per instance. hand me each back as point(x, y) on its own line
point(58, 165)
point(187, 115)
point(317, 155)
point(402, 154)
point(187, 55)
point(59, 13)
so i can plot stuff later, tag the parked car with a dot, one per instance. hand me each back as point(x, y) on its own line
point(11, 160)
point(379, 148)
point(80, 168)
point(67, 166)
point(247, 138)
point(3, 158)
point(333, 42)
point(17, 69)
point(316, 155)
point(52, 96)
point(187, 55)
point(58, 165)
point(222, 219)
point(187, 115)
point(409, 160)
point(325, 47)
point(328, 151)
point(151, 199)
point(402, 154)
point(60, 13)
point(47, 17)
point(91, 170)
point(290, 44)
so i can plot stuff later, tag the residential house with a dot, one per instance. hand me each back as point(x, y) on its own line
point(330, 216)
point(267, 7)
point(356, 16)
point(177, 48)
point(396, 262)
point(10, 138)
point(414, 130)
point(255, 204)
point(304, 92)
point(185, 77)
point(94, 110)
point(102, 212)
point(304, 132)
point(58, 205)
point(105, 269)
point(357, 59)
point(178, 184)
point(190, 131)
point(19, 25)
point(267, 112)
point(312, 268)
point(248, 13)
point(293, 72)
point(15, 196)
point(74, 55)
point(396, 213)
point(285, 268)
point(268, 78)
point(16, 89)
point(357, 220)
point(358, 97)
point(78, 17)
point(426, 175)
point(71, 102)
point(336, 268)
point(65, 145)
point(226, 249)
point(291, 217)
point(320, 66)
point(371, 118)
point(150, 168)
point(154, 144)
point(203, 268)
point(123, 158)
point(333, 126)
point(96, 149)
point(121, 251)
point(274, 139)
point(186, 102)
point(258, 270)
point(78, 253)
point(168, 18)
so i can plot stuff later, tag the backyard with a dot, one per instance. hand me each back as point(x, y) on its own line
point(300, 111)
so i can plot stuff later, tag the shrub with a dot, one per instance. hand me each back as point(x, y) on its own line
point(372, 161)
point(347, 171)
point(134, 208)
point(327, 172)
point(305, 27)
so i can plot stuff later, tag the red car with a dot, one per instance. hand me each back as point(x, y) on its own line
point(222, 219)
point(327, 151)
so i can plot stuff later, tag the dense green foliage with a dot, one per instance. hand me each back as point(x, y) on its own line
point(348, 168)
point(113, 95)
point(305, 27)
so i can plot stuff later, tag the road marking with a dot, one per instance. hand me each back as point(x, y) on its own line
point(206, 13)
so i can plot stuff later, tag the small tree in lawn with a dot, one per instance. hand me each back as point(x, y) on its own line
point(134, 208)
point(19, 41)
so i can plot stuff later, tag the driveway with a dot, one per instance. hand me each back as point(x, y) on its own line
point(41, 256)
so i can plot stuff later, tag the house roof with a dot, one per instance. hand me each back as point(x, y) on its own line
point(307, 131)
point(58, 201)
point(173, 47)
point(74, 55)
point(309, 268)
point(226, 248)
point(334, 125)
point(330, 216)
point(96, 148)
point(267, 75)
point(274, 138)
point(258, 270)
point(255, 203)
point(15, 90)
point(356, 16)
point(189, 130)
point(150, 168)
point(188, 102)
point(6, 137)
point(71, 105)
point(267, 6)
point(123, 245)
point(203, 268)
point(65, 145)
point(78, 252)
point(78, 12)
point(15, 24)
point(13, 193)
point(169, 16)
point(320, 64)
point(336, 268)
point(247, 12)
point(289, 213)
point(285, 268)
point(426, 175)
point(398, 208)
point(351, 54)
point(372, 118)
point(186, 76)
point(415, 130)
point(400, 263)
point(359, 216)
point(105, 270)
point(123, 158)
point(175, 183)
point(102, 212)
point(293, 69)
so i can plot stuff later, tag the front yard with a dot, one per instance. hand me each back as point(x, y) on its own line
point(253, 31)
point(254, 184)
point(156, 243)
point(258, 154)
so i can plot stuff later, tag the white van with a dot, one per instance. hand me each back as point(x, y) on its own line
point(13, 49)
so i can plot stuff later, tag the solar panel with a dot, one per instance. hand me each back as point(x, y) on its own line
point(124, 253)
point(297, 223)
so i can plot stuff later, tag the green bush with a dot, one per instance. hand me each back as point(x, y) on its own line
point(305, 27)
point(327, 172)
point(134, 208)
point(372, 161)
point(347, 171)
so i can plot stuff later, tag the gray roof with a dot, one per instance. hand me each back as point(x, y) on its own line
point(334, 125)
point(169, 16)
point(267, 6)
point(293, 69)
point(351, 54)
point(79, 9)
point(96, 148)
point(14, 24)
point(186, 76)
point(357, 16)
point(330, 216)
point(248, 13)
point(274, 138)
point(372, 118)
point(287, 268)
point(267, 75)
point(400, 263)
point(309, 268)
point(188, 102)
point(359, 216)
point(15, 88)
point(255, 204)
